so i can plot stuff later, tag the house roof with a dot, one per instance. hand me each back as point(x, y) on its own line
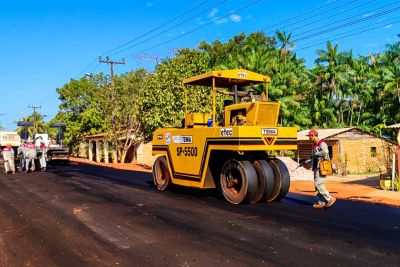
point(328, 133)
point(96, 136)
point(394, 126)
point(227, 78)
point(322, 133)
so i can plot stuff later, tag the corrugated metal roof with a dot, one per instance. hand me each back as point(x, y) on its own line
point(394, 126)
point(322, 133)
point(227, 78)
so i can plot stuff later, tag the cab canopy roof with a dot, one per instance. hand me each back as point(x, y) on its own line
point(227, 78)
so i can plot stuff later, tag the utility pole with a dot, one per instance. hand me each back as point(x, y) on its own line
point(34, 108)
point(33, 116)
point(112, 63)
point(1, 126)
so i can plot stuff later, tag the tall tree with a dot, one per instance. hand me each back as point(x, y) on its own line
point(128, 131)
point(285, 42)
point(162, 100)
point(38, 125)
point(82, 108)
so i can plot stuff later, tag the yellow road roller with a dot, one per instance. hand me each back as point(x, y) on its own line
point(232, 154)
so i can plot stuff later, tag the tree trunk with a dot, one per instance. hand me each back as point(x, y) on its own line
point(114, 153)
point(123, 155)
point(342, 114)
point(359, 114)
point(351, 115)
point(134, 156)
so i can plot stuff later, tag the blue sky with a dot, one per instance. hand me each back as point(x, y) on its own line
point(46, 43)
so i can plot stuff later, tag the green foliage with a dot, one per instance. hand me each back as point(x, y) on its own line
point(340, 90)
point(162, 101)
point(39, 125)
point(82, 107)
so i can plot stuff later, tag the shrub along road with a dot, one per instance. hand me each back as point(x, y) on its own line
point(83, 215)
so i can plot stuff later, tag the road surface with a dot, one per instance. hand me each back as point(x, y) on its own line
point(83, 215)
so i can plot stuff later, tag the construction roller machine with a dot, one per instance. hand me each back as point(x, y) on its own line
point(233, 154)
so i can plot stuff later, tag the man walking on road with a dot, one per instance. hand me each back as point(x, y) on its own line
point(29, 151)
point(320, 152)
point(8, 157)
point(42, 158)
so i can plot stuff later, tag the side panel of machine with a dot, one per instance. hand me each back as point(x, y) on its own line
point(11, 138)
point(188, 150)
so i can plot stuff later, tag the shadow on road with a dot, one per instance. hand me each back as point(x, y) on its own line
point(369, 181)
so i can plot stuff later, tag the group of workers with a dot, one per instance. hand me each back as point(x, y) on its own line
point(27, 154)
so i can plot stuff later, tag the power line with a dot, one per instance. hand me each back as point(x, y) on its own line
point(355, 16)
point(346, 24)
point(146, 33)
point(91, 63)
point(362, 28)
point(156, 28)
point(198, 28)
point(304, 19)
point(95, 67)
point(304, 13)
point(334, 15)
point(349, 35)
point(170, 28)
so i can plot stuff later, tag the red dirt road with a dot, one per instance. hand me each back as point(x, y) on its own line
point(83, 215)
point(357, 188)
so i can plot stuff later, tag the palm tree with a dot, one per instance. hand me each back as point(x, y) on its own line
point(284, 40)
point(38, 125)
point(330, 60)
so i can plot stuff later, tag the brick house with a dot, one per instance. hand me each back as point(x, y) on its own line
point(95, 148)
point(351, 149)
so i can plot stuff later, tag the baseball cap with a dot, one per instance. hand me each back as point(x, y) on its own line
point(312, 132)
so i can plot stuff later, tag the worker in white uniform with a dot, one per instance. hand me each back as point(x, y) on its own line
point(8, 157)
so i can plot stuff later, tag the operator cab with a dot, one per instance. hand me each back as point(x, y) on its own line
point(244, 108)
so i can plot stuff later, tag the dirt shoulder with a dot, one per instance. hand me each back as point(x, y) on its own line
point(355, 187)
point(358, 188)
point(117, 166)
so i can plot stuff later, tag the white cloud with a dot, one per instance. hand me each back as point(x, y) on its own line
point(371, 44)
point(221, 21)
point(368, 14)
point(235, 18)
point(213, 13)
point(199, 21)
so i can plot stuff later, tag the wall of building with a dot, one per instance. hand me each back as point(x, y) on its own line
point(355, 152)
point(140, 154)
point(304, 150)
point(368, 155)
point(144, 156)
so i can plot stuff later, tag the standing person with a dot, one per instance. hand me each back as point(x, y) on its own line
point(8, 157)
point(42, 158)
point(20, 155)
point(29, 151)
point(320, 152)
